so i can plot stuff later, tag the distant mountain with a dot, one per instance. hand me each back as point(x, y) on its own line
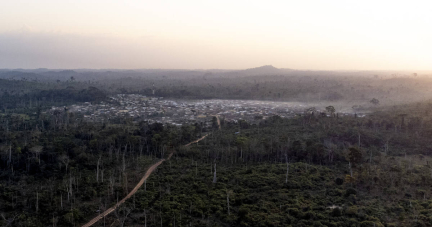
point(263, 70)
point(260, 71)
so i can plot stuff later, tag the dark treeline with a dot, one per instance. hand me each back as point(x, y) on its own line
point(315, 139)
point(263, 83)
point(22, 96)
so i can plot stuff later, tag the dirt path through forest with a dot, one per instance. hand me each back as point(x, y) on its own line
point(140, 183)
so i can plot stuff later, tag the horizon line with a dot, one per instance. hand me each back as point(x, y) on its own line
point(226, 69)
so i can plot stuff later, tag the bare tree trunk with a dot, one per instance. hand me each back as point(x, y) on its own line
point(124, 163)
point(359, 144)
point(122, 219)
point(145, 218)
point(111, 182)
point(54, 220)
point(70, 185)
point(37, 201)
point(160, 213)
point(97, 170)
point(102, 175)
point(10, 154)
point(214, 177)
point(228, 206)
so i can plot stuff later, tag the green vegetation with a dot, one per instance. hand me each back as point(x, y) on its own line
point(310, 170)
point(56, 170)
point(263, 83)
point(21, 100)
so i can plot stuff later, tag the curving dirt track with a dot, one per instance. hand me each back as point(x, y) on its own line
point(196, 141)
point(140, 183)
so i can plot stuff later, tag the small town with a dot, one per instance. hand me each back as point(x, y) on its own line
point(179, 112)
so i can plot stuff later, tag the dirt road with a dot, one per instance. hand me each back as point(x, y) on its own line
point(140, 183)
point(196, 141)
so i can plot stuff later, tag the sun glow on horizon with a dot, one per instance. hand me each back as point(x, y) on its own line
point(363, 35)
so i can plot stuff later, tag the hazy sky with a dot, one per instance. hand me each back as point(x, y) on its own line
point(300, 34)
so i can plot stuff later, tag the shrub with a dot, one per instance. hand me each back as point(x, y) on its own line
point(352, 210)
point(336, 212)
point(294, 212)
point(350, 191)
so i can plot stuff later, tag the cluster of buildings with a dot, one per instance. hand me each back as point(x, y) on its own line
point(178, 112)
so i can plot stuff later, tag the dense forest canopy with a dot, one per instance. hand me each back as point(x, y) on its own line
point(319, 167)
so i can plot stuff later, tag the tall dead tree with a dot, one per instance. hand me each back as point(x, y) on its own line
point(214, 176)
point(10, 154)
point(121, 214)
point(37, 201)
point(97, 168)
point(145, 218)
point(228, 206)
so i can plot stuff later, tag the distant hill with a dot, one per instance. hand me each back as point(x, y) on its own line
point(263, 70)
